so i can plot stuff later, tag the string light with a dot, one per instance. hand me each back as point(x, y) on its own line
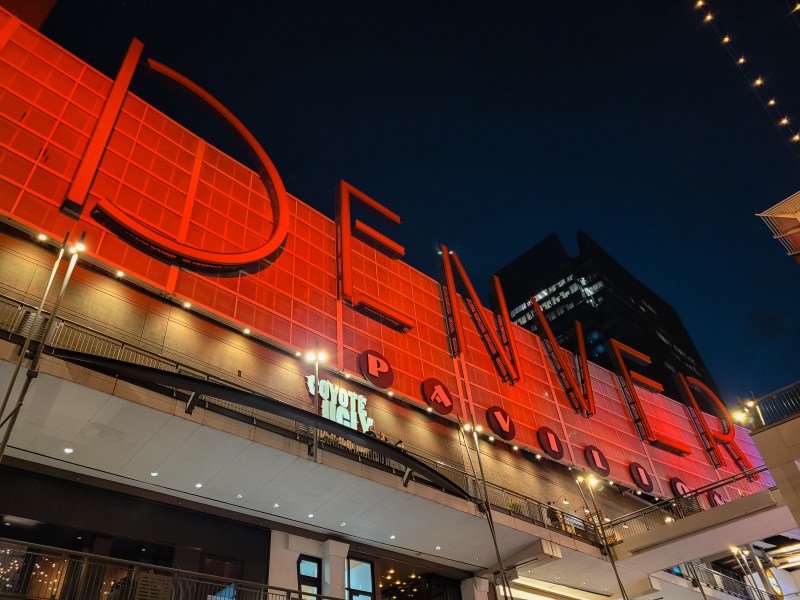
point(757, 83)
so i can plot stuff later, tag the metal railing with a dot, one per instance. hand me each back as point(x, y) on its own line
point(43, 572)
point(500, 498)
point(73, 336)
point(665, 512)
point(776, 406)
point(720, 581)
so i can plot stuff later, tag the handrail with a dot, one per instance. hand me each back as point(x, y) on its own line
point(85, 561)
point(690, 495)
point(500, 497)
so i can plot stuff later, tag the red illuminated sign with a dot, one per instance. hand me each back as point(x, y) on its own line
point(376, 369)
point(501, 423)
point(550, 443)
point(175, 214)
point(437, 396)
point(678, 487)
point(641, 477)
point(596, 460)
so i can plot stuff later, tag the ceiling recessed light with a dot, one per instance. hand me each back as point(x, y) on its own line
point(198, 485)
point(438, 547)
point(347, 375)
point(80, 537)
point(344, 524)
point(538, 457)
point(42, 237)
point(7, 524)
point(68, 450)
point(491, 438)
point(154, 474)
point(390, 393)
point(246, 331)
point(393, 536)
point(187, 305)
point(120, 274)
point(298, 354)
point(310, 515)
point(239, 496)
point(276, 505)
point(429, 409)
point(515, 447)
point(144, 549)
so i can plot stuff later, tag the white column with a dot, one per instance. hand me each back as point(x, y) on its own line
point(334, 563)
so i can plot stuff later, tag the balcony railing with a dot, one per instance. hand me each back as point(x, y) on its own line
point(772, 408)
point(720, 581)
point(15, 318)
point(34, 571)
point(665, 512)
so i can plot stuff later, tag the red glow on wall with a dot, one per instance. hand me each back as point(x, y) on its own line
point(163, 183)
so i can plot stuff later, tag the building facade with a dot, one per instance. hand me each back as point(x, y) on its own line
point(608, 301)
point(237, 386)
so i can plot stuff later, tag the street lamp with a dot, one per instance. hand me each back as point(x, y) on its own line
point(317, 356)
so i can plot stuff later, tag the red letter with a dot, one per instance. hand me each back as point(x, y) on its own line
point(640, 420)
point(176, 251)
point(582, 403)
point(344, 235)
point(708, 438)
point(503, 362)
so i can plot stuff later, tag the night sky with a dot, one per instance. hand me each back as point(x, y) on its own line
point(488, 125)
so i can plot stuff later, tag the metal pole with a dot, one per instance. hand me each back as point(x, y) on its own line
point(761, 572)
point(490, 519)
point(32, 372)
point(696, 578)
point(605, 540)
point(315, 433)
point(32, 330)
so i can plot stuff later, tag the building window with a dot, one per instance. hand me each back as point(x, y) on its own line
point(359, 581)
point(309, 575)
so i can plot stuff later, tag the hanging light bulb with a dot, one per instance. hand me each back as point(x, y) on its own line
point(726, 39)
point(758, 82)
point(784, 121)
point(741, 60)
point(699, 4)
point(709, 17)
point(796, 137)
point(771, 102)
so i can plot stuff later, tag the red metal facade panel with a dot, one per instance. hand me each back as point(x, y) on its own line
point(169, 180)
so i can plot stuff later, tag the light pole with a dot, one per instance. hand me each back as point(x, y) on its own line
point(33, 370)
point(316, 357)
point(604, 539)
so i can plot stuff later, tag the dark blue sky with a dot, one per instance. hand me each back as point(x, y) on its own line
point(488, 125)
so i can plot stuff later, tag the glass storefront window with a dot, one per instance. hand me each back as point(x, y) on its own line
point(359, 579)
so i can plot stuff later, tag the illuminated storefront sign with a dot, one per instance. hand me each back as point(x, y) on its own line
point(341, 405)
point(173, 213)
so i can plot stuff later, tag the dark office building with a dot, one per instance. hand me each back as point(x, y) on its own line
point(609, 302)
